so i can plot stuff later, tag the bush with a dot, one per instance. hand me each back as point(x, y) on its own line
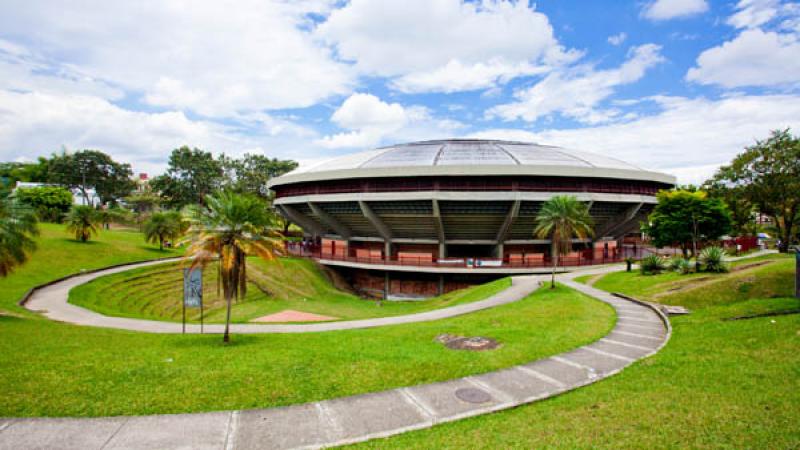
point(680, 265)
point(651, 265)
point(50, 202)
point(712, 259)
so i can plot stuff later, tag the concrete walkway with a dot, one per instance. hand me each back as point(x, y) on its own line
point(639, 332)
point(51, 301)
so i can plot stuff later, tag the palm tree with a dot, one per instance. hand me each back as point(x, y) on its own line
point(161, 226)
point(17, 229)
point(82, 220)
point(230, 227)
point(560, 219)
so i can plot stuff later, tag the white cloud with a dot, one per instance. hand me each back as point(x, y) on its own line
point(214, 58)
point(369, 120)
point(672, 9)
point(753, 58)
point(37, 124)
point(754, 13)
point(425, 43)
point(577, 93)
point(617, 39)
point(689, 137)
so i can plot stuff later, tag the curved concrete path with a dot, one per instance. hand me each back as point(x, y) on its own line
point(639, 332)
point(51, 301)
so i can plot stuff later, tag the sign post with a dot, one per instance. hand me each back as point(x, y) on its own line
point(193, 293)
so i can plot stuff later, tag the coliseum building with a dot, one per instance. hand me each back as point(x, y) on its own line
point(423, 218)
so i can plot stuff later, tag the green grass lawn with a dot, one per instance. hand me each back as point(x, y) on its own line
point(59, 255)
point(56, 369)
point(289, 283)
point(717, 384)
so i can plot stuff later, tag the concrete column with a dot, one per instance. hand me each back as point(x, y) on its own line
point(387, 250)
point(386, 285)
point(442, 250)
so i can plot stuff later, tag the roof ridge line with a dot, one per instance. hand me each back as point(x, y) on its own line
point(510, 155)
point(385, 150)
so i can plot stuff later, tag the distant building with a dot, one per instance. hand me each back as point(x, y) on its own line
point(77, 196)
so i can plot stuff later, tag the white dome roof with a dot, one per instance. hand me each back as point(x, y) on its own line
point(470, 157)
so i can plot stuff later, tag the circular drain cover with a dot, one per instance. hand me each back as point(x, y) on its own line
point(472, 395)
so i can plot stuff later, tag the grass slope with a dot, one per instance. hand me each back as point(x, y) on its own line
point(156, 292)
point(56, 369)
point(717, 384)
point(79, 371)
point(58, 255)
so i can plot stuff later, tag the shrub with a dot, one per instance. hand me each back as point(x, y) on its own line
point(712, 259)
point(680, 265)
point(50, 202)
point(651, 265)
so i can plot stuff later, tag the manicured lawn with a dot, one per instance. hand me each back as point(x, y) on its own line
point(59, 255)
point(56, 369)
point(80, 371)
point(717, 384)
point(290, 283)
point(704, 289)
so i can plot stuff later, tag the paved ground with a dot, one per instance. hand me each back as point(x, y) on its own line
point(291, 315)
point(51, 301)
point(639, 332)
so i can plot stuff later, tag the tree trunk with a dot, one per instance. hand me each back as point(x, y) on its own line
point(226, 336)
point(555, 264)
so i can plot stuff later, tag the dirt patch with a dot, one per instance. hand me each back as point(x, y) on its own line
point(336, 279)
point(475, 343)
point(290, 315)
point(591, 281)
point(742, 267)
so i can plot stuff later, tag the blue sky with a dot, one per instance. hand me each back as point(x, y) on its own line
point(673, 85)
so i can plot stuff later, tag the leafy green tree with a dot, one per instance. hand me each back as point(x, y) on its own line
point(17, 230)
point(251, 173)
point(88, 169)
point(742, 211)
point(684, 218)
point(82, 222)
point(161, 226)
point(49, 202)
point(767, 175)
point(143, 202)
point(561, 219)
point(229, 228)
point(192, 175)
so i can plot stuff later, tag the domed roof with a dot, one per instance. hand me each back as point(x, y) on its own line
point(470, 157)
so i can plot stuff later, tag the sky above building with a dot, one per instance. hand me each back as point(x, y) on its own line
point(679, 86)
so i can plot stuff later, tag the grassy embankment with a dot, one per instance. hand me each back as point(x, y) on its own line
point(717, 384)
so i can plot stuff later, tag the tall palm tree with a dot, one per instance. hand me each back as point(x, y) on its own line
point(161, 226)
point(82, 220)
point(562, 218)
point(17, 229)
point(230, 227)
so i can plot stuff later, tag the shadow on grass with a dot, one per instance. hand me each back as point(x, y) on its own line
point(210, 341)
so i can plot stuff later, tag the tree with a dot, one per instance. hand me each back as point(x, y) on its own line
point(251, 173)
point(49, 202)
point(742, 211)
point(230, 227)
point(192, 175)
point(17, 230)
point(161, 226)
point(767, 174)
point(562, 218)
point(82, 221)
point(683, 218)
point(87, 169)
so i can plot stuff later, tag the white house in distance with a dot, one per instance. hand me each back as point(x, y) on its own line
point(77, 197)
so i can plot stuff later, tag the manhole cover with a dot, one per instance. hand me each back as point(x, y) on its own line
point(476, 343)
point(472, 395)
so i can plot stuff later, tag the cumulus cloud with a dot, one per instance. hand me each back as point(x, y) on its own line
point(672, 9)
point(578, 92)
point(617, 39)
point(369, 120)
point(36, 124)
point(213, 58)
point(444, 45)
point(688, 137)
point(760, 55)
point(753, 58)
